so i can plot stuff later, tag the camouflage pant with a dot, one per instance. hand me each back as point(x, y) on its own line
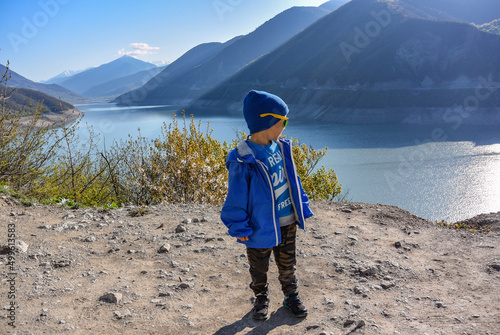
point(284, 255)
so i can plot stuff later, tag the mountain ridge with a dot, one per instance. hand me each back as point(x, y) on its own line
point(410, 59)
point(195, 81)
point(24, 101)
point(18, 81)
point(115, 87)
point(117, 68)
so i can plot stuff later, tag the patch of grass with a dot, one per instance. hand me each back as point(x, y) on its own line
point(62, 202)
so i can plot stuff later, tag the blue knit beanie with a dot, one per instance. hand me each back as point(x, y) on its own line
point(257, 103)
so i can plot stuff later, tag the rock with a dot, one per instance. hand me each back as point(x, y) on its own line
point(348, 322)
point(359, 324)
point(61, 263)
point(187, 221)
point(121, 315)
point(329, 301)
point(387, 284)
point(4, 249)
point(180, 229)
point(185, 285)
point(164, 248)
point(22, 246)
point(440, 304)
point(369, 271)
point(386, 314)
point(360, 290)
point(89, 239)
point(494, 266)
point(112, 298)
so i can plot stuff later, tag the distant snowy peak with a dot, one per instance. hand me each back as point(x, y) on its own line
point(160, 63)
point(121, 67)
point(62, 76)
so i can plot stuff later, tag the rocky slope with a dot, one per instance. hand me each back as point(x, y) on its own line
point(364, 269)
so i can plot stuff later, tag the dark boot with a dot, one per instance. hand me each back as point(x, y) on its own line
point(261, 307)
point(293, 303)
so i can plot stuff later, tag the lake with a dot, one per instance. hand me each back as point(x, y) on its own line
point(435, 172)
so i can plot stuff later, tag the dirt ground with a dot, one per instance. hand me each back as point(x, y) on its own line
point(363, 269)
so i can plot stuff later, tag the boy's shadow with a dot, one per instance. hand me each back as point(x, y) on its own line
point(278, 318)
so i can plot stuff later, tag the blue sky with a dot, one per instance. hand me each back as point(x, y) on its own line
point(42, 38)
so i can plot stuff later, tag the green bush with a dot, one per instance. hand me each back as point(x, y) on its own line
point(319, 184)
point(186, 165)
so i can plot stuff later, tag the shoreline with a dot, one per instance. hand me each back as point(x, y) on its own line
point(51, 119)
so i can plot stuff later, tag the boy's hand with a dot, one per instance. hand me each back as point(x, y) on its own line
point(243, 239)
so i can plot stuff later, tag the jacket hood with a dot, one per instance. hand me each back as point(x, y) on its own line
point(244, 154)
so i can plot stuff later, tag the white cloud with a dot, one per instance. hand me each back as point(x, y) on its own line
point(139, 49)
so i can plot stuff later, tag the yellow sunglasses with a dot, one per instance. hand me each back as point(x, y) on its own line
point(281, 117)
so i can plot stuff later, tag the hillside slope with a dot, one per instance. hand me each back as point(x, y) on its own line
point(363, 269)
point(117, 68)
point(22, 99)
point(189, 60)
point(54, 90)
point(115, 87)
point(196, 81)
point(367, 57)
point(473, 11)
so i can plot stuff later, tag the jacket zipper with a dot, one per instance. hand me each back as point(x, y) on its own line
point(297, 189)
point(272, 196)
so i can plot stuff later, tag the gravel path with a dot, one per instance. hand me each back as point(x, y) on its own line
point(363, 269)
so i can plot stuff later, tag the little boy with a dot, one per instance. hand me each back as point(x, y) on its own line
point(265, 200)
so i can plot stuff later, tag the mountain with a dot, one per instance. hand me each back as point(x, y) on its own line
point(369, 58)
point(473, 11)
point(333, 4)
point(59, 92)
point(120, 67)
point(197, 80)
point(61, 77)
point(22, 98)
point(122, 85)
point(492, 27)
point(189, 60)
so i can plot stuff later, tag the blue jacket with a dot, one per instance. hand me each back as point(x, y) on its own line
point(250, 208)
